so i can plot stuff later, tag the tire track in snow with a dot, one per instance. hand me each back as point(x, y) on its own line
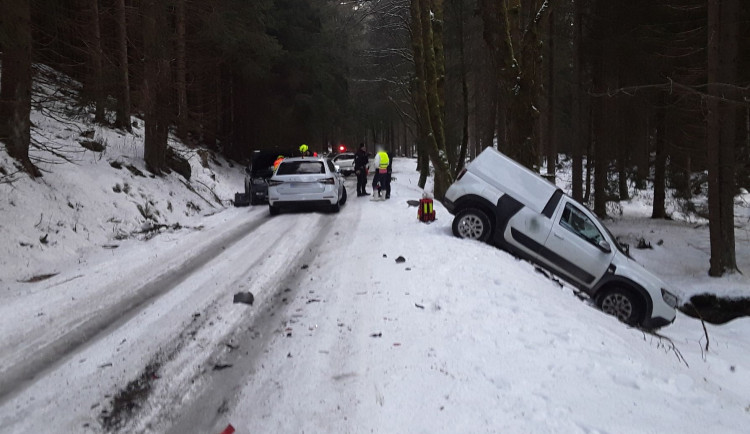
point(217, 390)
point(47, 355)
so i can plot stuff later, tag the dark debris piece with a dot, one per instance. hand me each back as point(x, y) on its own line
point(376, 335)
point(244, 297)
point(400, 260)
point(221, 366)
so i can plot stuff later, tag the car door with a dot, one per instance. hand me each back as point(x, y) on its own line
point(577, 245)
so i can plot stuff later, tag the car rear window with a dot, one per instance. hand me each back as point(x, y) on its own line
point(345, 157)
point(300, 167)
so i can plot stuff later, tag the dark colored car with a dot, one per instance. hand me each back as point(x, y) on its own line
point(257, 175)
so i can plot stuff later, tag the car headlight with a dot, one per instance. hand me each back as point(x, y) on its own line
point(669, 298)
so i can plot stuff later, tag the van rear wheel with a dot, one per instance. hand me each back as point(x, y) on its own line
point(472, 224)
point(623, 304)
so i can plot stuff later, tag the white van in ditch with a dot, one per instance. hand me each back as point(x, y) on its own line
point(497, 200)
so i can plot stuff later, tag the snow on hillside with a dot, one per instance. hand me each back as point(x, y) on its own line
point(89, 201)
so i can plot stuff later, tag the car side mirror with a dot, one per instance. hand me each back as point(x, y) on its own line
point(605, 246)
point(338, 168)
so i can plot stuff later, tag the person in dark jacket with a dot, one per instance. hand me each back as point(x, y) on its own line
point(361, 160)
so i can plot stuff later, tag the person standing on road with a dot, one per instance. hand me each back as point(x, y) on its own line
point(361, 159)
point(381, 179)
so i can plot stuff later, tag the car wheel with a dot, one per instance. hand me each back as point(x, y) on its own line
point(273, 210)
point(343, 197)
point(623, 304)
point(472, 224)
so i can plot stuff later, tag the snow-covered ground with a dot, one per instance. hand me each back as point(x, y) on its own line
point(459, 337)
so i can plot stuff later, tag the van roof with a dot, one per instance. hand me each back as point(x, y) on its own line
point(510, 177)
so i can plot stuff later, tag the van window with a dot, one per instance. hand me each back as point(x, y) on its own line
point(580, 224)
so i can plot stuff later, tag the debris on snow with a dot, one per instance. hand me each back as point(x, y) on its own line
point(244, 297)
point(400, 260)
point(222, 366)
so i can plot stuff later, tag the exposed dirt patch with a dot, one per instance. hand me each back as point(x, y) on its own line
point(129, 400)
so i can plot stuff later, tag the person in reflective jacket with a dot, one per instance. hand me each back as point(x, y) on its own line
point(381, 180)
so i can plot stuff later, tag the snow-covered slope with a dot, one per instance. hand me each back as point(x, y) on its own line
point(89, 201)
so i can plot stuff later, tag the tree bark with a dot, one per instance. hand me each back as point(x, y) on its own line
point(95, 59)
point(122, 112)
point(460, 161)
point(429, 62)
point(181, 72)
point(155, 85)
point(659, 211)
point(550, 145)
point(577, 123)
point(723, 39)
point(15, 83)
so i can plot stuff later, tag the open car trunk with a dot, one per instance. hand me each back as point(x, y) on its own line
point(262, 164)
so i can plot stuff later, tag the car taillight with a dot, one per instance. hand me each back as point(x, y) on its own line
point(273, 182)
point(327, 181)
point(461, 174)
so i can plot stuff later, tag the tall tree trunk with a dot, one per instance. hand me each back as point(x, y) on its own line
point(600, 160)
point(181, 72)
point(122, 113)
point(15, 83)
point(589, 149)
point(155, 85)
point(459, 163)
point(722, 68)
point(577, 123)
point(659, 211)
point(95, 62)
point(429, 62)
point(511, 30)
point(550, 145)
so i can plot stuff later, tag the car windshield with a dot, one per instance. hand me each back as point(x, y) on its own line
point(300, 167)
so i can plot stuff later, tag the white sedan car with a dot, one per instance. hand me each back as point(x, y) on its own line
point(306, 181)
point(345, 161)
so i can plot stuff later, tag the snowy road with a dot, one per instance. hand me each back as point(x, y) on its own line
point(171, 308)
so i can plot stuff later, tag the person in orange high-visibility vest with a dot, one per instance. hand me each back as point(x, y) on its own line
point(277, 162)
